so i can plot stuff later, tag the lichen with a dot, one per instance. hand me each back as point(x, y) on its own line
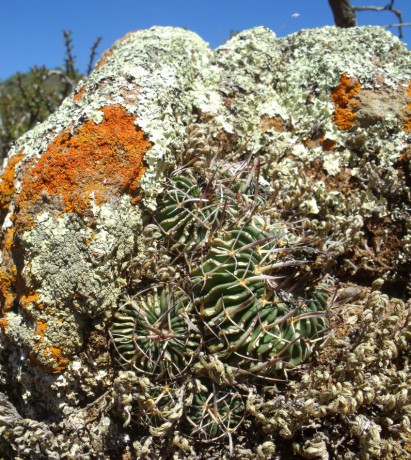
point(96, 162)
point(346, 105)
point(7, 186)
point(71, 199)
point(79, 94)
point(407, 121)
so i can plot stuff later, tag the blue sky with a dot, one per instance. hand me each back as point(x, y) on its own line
point(31, 30)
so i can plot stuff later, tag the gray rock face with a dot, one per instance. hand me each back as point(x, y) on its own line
point(325, 115)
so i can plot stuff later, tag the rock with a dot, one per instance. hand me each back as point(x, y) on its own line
point(325, 115)
point(71, 218)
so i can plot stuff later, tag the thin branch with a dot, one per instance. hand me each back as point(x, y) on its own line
point(64, 77)
point(69, 58)
point(404, 24)
point(379, 9)
point(93, 54)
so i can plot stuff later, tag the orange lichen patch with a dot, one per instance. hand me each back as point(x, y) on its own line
point(8, 278)
point(4, 324)
point(41, 326)
point(30, 299)
point(346, 103)
point(56, 354)
point(407, 122)
point(8, 239)
point(79, 94)
point(272, 123)
point(7, 182)
point(101, 161)
point(8, 273)
point(110, 51)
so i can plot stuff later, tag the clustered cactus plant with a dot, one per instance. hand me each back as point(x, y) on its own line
point(225, 301)
point(153, 335)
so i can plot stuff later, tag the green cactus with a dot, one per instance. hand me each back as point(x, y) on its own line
point(181, 212)
point(195, 207)
point(240, 312)
point(188, 211)
point(231, 264)
point(229, 274)
point(246, 322)
point(153, 333)
point(214, 412)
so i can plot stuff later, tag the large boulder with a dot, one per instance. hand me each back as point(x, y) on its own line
point(319, 126)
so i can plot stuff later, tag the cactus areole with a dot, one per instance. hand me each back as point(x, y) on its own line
point(173, 239)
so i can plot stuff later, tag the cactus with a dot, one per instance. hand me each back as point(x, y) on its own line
point(152, 333)
point(240, 313)
point(195, 207)
point(232, 263)
point(181, 214)
point(248, 324)
point(189, 211)
point(228, 303)
point(214, 412)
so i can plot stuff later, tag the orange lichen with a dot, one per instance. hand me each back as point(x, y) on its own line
point(8, 239)
point(346, 103)
point(99, 161)
point(50, 358)
point(28, 299)
point(56, 354)
point(55, 362)
point(8, 278)
point(7, 182)
point(4, 324)
point(103, 60)
point(79, 94)
point(407, 122)
point(41, 326)
point(8, 273)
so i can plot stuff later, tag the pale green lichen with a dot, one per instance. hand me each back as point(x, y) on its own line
point(160, 75)
point(247, 68)
point(68, 257)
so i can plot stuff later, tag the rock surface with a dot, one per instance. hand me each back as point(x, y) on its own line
point(325, 115)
